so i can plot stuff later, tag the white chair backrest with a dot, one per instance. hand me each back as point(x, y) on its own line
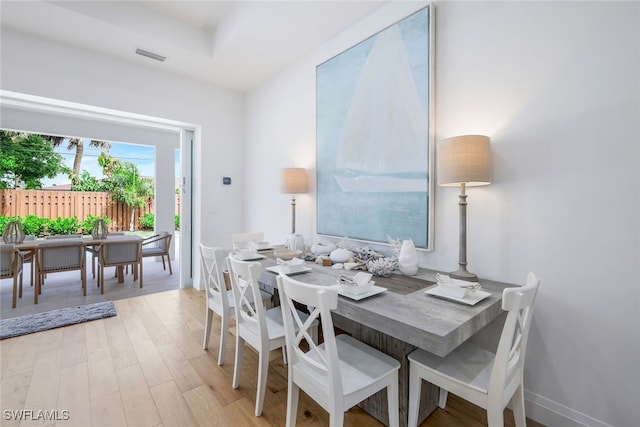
point(61, 254)
point(117, 252)
point(244, 283)
point(323, 299)
point(212, 263)
point(242, 240)
point(7, 254)
point(508, 366)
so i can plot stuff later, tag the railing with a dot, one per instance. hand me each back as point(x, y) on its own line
point(66, 204)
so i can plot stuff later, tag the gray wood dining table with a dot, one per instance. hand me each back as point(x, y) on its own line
point(400, 320)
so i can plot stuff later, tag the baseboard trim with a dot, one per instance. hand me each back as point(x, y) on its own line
point(553, 414)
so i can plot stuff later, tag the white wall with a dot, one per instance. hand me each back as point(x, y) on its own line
point(42, 68)
point(556, 86)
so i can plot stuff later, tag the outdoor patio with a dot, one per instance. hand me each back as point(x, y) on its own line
point(65, 289)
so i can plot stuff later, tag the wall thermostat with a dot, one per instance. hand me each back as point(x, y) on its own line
point(226, 180)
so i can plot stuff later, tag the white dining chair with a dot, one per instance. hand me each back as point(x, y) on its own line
point(243, 240)
point(256, 326)
point(489, 380)
point(339, 373)
point(219, 299)
point(11, 267)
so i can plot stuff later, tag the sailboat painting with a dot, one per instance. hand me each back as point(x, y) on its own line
point(374, 142)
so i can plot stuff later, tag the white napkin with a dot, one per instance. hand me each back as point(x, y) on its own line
point(360, 279)
point(454, 287)
point(292, 261)
point(289, 266)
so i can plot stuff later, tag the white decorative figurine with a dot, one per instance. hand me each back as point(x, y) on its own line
point(408, 258)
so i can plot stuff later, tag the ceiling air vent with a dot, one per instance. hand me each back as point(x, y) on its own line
point(150, 55)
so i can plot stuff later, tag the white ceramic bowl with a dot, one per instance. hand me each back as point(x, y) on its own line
point(286, 254)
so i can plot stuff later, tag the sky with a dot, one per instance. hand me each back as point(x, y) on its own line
point(142, 156)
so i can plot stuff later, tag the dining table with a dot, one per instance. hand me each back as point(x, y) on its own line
point(400, 319)
point(33, 245)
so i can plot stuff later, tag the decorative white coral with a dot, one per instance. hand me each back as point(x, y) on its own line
point(382, 266)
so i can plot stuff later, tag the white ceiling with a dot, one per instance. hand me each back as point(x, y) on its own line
point(234, 44)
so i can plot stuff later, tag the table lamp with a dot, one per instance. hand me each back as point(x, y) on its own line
point(464, 161)
point(294, 181)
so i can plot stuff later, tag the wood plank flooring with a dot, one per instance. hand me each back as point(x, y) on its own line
point(146, 367)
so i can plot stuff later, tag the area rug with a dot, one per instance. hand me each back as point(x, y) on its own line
point(24, 325)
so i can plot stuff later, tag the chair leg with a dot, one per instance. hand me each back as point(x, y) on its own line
point(517, 404)
point(284, 354)
point(495, 415)
point(237, 366)
point(292, 403)
point(207, 328)
point(393, 403)
point(169, 262)
point(93, 265)
point(415, 386)
point(224, 333)
point(140, 272)
point(101, 279)
point(263, 372)
point(15, 291)
point(83, 277)
point(336, 419)
point(442, 398)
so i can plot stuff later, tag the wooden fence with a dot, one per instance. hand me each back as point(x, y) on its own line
point(66, 204)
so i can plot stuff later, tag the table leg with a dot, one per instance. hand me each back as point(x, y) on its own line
point(376, 405)
point(35, 263)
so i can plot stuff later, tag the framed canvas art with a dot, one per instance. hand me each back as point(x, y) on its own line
point(374, 105)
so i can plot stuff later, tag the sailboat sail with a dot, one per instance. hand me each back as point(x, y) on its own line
point(384, 141)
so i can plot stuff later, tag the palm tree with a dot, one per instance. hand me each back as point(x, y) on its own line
point(77, 144)
point(125, 184)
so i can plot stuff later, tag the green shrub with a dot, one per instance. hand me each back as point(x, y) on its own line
point(63, 226)
point(89, 222)
point(147, 221)
point(4, 220)
point(35, 225)
point(176, 222)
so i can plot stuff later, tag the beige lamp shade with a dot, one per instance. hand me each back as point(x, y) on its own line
point(293, 180)
point(464, 159)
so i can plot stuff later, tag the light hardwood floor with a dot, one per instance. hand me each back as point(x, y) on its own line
point(146, 367)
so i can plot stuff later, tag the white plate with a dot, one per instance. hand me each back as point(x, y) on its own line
point(472, 298)
point(374, 291)
point(247, 257)
point(295, 269)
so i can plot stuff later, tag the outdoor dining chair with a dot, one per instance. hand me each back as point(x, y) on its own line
point(158, 246)
point(489, 380)
point(339, 373)
point(11, 267)
point(120, 254)
point(95, 249)
point(60, 255)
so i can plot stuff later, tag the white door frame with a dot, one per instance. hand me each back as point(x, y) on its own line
point(16, 100)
